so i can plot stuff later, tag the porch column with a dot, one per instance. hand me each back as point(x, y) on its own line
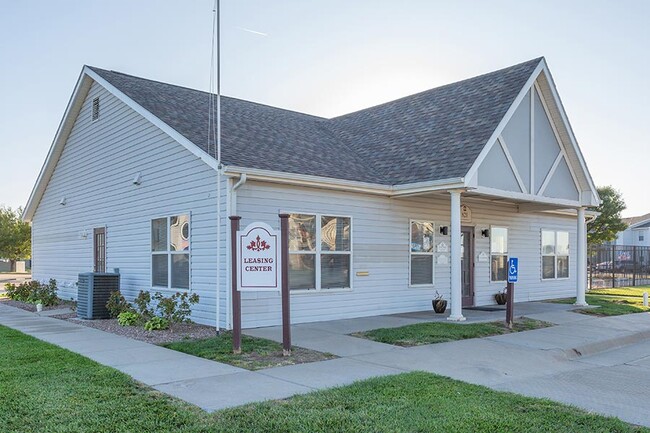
point(581, 259)
point(456, 287)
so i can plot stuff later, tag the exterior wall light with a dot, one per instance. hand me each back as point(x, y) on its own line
point(137, 180)
point(444, 230)
point(63, 201)
point(485, 233)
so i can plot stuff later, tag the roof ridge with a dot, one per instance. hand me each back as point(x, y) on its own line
point(94, 68)
point(454, 83)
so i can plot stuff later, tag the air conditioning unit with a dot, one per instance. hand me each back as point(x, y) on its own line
point(94, 288)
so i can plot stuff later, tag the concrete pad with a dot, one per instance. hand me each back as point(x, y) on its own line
point(636, 354)
point(148, 353)
point(542, 339)
point(178, 369)
point(362, 324)
point(48, 313)
point(323, 341)
point(109, 342)
point(214, 393)
point(620, 391)
point(327, 374)
point(561, 317)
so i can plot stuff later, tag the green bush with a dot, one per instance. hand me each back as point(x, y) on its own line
point(156, 324)
point(117, 304)
point(33, 291)
point(176, 308)
point(142, 302)
point(128, 318)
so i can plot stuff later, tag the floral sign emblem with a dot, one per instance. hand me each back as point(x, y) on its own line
point(258, 245)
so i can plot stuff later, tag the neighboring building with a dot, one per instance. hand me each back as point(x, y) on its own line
point(431, 192)
point(637, 233)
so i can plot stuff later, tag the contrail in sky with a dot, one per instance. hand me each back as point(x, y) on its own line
point(255, 32)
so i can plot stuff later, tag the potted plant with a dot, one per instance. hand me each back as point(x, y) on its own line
point(39, 306)
point(501, 297)
point(439, 304)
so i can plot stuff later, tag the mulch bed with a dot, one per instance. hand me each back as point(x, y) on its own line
point(176, 331)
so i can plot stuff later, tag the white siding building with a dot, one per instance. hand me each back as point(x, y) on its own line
point(432, 192)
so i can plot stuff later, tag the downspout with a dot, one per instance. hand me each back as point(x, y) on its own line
point(233, 211)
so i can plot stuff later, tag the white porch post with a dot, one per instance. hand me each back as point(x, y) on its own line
point(581, 259)
point(456, 289)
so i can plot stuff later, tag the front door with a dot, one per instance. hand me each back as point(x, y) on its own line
point(467, 265)
point(99, 249)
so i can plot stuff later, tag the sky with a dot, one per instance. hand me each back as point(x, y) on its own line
point(330, 57)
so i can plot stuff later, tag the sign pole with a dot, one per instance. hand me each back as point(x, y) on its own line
point(286, 308)
point(510, 306)
point(236, 296)
point(513, 277)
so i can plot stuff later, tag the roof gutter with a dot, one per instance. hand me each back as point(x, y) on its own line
point(342, 184)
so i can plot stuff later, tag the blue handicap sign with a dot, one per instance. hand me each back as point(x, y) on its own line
point(513, 269)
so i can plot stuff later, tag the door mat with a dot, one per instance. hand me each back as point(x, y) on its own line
point(485, 308)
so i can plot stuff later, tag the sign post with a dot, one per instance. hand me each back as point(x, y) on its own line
point(236, 296)
point(260, 263)
point(286, 308)
point(513, 276)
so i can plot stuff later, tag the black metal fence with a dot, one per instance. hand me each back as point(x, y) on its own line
point(618, 266)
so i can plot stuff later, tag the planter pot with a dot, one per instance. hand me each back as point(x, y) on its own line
point(439, 306)
point(39, 308)
point(501, 298)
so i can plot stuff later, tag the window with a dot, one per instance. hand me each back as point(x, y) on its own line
point(498, 254)
point(421, 252)
point(95, 114)
point(555, 255)
point(170, 252)
point(640, 238)
point(319, 252)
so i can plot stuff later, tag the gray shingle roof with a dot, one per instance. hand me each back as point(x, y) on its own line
point(432, 135)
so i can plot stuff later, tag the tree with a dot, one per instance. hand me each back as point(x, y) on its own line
point(609, 223)
point(15, 235)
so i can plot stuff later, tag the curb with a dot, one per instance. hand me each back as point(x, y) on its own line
point(602, 346)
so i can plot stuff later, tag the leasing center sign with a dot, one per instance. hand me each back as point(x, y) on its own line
point(258, 258)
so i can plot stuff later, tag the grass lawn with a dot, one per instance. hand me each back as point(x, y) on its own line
point(441, 332)
point(257, 353)
point(612, 302)
point(46, 388)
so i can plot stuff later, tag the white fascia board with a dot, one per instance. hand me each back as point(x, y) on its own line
point(308, 180)
point(342, 184)
point(511, 111)
point(424, 187)
point(193, 148)
point(527, 197)
point(572, 137)
point(65, 126)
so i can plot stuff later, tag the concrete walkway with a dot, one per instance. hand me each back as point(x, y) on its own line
point(600, 364)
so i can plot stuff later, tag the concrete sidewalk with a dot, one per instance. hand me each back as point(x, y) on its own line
point(574, 362)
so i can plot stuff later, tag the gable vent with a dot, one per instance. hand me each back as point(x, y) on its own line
point(96, 108)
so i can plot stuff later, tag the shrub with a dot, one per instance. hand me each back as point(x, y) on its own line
point(128, 318)
point(117, 304)
point(33, 291)
point(177, 307)
point(142, 302)
point(156, 324)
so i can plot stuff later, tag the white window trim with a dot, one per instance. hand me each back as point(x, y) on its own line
point(432, 254)
point(169, 253)
point(555, 255)
point(318, 251)
point(507, 253)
